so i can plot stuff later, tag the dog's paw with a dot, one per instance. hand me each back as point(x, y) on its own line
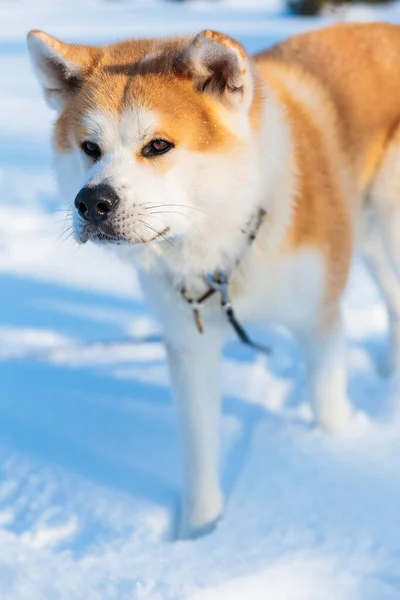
point(335, 416)
point(201, 519)
point(350, 422)
point(191, 532)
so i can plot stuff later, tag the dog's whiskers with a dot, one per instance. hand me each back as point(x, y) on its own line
point(144, 204)
point(140, 237)
point(159, 233)
point(61, 221)
point(65, 235)
point(170, 212)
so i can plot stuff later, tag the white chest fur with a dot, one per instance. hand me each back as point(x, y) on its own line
point(287, 291)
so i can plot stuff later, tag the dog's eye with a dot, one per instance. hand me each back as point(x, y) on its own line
point(156, 147)
point(91, 149)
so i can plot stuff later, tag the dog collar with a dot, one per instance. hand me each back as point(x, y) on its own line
point(218, 282)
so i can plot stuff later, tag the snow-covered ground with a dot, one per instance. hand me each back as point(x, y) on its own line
point(88, 453)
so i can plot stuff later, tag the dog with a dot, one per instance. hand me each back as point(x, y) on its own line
point(191, 158)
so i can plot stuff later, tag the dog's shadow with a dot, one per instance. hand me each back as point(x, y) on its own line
point(120, 431)
point(107, 423)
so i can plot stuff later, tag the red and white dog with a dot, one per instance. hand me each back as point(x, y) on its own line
point(170, 148)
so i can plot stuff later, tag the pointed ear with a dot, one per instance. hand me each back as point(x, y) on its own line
point(59, 67)
point(220, 66)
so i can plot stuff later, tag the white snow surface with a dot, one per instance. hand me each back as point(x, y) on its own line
point(89, 459)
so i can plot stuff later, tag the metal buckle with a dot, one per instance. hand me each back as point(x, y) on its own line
point(219, 282)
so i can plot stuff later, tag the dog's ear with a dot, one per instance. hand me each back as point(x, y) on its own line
point(220, 66)
point(59, 67)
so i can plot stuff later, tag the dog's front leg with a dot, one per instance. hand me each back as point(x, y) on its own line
point(195, 364)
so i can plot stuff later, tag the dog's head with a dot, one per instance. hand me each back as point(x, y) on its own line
point(152, 137)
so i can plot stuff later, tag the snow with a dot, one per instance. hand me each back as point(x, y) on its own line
point(89, 460)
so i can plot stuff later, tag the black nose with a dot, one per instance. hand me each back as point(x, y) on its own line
point(95, 203)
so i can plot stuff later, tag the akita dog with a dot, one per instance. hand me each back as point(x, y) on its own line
point(190, 157)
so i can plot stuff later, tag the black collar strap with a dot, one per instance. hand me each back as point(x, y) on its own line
point(218, 282)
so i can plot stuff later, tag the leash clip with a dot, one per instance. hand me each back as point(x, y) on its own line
point(219, 282)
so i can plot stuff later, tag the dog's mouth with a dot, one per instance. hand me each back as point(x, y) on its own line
point(106, 234)
point(88, 232)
